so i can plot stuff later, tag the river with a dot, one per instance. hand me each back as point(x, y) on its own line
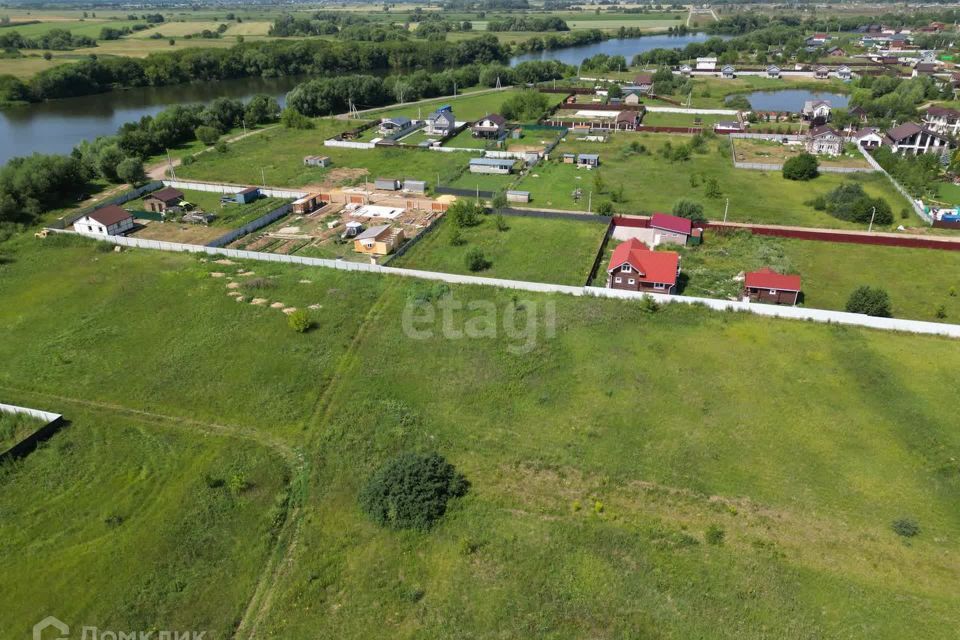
point(58, 125)
point(626, 47)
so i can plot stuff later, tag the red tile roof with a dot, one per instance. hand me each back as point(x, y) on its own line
point(110, 214)
point(651, 266)
point(767, 278)
point(671, 223)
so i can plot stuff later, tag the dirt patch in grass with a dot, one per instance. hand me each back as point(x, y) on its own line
point(339, 176)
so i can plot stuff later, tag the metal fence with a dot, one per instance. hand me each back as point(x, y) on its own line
point(795, 313)
point(917, 207)
point(250, 227)
point(228, 188)
point(466, 193)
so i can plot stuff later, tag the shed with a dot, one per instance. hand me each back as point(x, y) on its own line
point(588, 160)
point(160, 201)
point(316, 161)
point(671, 229)
point(518, 196)
point(569, 158)
point(415, 186)
point(247, 195)
point(766, 285)
point(387, 184)
point(491, 165)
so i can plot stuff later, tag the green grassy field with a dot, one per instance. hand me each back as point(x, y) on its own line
point(279, 152)
point(16, 427)
point(949, 193)
point(231, 215)
point(651, 183)
point(520, 253)
point(667, 119)
point(599, 452)
point(918, 280)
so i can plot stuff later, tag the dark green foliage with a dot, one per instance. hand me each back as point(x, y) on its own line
point(465, 213)
point(870, 301)
point(689, 209)
point(476, 260)
point(207, 135)
point(605, 208)
point(714, 535)
point(905, 527)
point(501, 223)
point(801, 167)
point(130, 170)
point(738, 102)
point(850, 202)
point(31, 185)
point(411, 491)
point(526, 106)
point(293, 119)
point(299, 321)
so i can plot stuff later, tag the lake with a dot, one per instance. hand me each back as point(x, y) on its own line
point(792, 99)
point(626, 47)
point(58, 125)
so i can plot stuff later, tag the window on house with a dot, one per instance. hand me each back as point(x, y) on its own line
point(773, 292)
point(618, 279)
point(626, 268)
point(659, 285)
point(631, 281)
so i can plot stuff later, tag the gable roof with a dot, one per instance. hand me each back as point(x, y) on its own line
point(400, 121)
point(936, 111)
point(109, 215)
point(903, 131)
point(823, 131)
point(166, 194)
point(866, 131)
point(441, 115)
point(372, 232)
point(643, 78)
point(495, 118)
point(767, 278)
point(651, 266)
point(671, 223)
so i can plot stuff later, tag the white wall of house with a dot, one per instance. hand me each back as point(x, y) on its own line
point(86, 224)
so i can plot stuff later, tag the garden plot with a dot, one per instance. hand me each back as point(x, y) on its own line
point(774, 152)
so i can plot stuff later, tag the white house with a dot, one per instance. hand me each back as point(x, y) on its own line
point(440, 122)
point(390, 126)
point(844, 72)
point(773, 71)
point(728, 71)
point(706, 64)
point(868, 137)
point(942, 120)
point(108, 221)
point(912, 139)
point(816, 110)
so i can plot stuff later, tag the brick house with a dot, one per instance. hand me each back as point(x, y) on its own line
point(634, 267)
point(824, 141)
point(160, 201)
point(770, 287)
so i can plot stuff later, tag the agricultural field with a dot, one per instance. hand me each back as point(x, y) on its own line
point(613, 483)
point(519, 253)
point(651, 183)
point(918, 280)
point(773, 152)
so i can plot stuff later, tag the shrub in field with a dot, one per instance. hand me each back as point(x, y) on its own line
point(290, 118)
point(605, 208)
point(299, 321)
point(905, 527)
point(501, 223)
point(850, 202)
point(872, 301)
point(715, 535)
point(801, 167)
point(456, 237)
point(689, 209)
point(475, 260)
point(207, 135)
point(411, 491)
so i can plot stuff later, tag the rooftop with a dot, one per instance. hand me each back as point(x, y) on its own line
point(651, 266)
point(767, 278)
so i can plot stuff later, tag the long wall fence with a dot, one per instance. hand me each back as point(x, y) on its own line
point(52, 423)
point(795, 313)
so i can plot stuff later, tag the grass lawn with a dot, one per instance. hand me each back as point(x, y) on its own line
point(667, 119)
point(651, 183)
point(519, 253)
point(465, 140)
point(279, 152)
point(773, 152)
point(712, 92)
point(949, 193)
point(918, 280)
point(16, 427)
point(599, 452)
point(483, 181)
point(466, 107)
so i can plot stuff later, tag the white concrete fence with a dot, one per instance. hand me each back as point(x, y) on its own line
point(774, 311)
point(704, 112)
point(227, 188)
point(348, 144)
point(46, 416)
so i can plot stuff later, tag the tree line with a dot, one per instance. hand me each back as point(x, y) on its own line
point(53, 40)
point(528, 23)
point(267, 59)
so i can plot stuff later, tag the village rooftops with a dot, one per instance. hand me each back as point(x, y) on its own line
point(767, 278)
point(939, 112)
point(671, 223)
point(904, 131)
point(823, 130)
point(109, 215)
point(167, 194)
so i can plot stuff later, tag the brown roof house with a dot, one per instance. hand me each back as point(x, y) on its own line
point(491, 125)
point(942, 120)
point(911, 139)
point(824, 141)
point(107, 221)
point(162, 200)
point(766, 285)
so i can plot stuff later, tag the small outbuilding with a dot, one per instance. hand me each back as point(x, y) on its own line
point(569, 158)
point(491, 165)
point(307, 204)
point(248, 195)
point(671, 229)
point(110, 220)
point(588, 160)
point(518, 196)
point(387, 184)
point(378, 241)
point(316, 161)
point(415, 186)
point(728, 71)
point(770, 287)
point(773, 71)
point(162, 200)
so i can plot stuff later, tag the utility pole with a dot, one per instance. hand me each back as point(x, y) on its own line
point(590, 201)
point(872, 216)
point(170, 162)
point(725, 209)
point(244, 123)
point(263, 179)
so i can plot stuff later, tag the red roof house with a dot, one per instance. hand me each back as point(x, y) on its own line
point(110, 220)
point(672, 229)
point(766, 285)
point(634, 267)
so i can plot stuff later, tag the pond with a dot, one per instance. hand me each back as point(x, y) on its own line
point(58, 125)
point(792, 99)
point(626, 47)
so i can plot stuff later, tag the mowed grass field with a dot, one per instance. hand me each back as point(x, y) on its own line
point(601, 441)
point(527, 250)
point(651, 183)
point(918, 280)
